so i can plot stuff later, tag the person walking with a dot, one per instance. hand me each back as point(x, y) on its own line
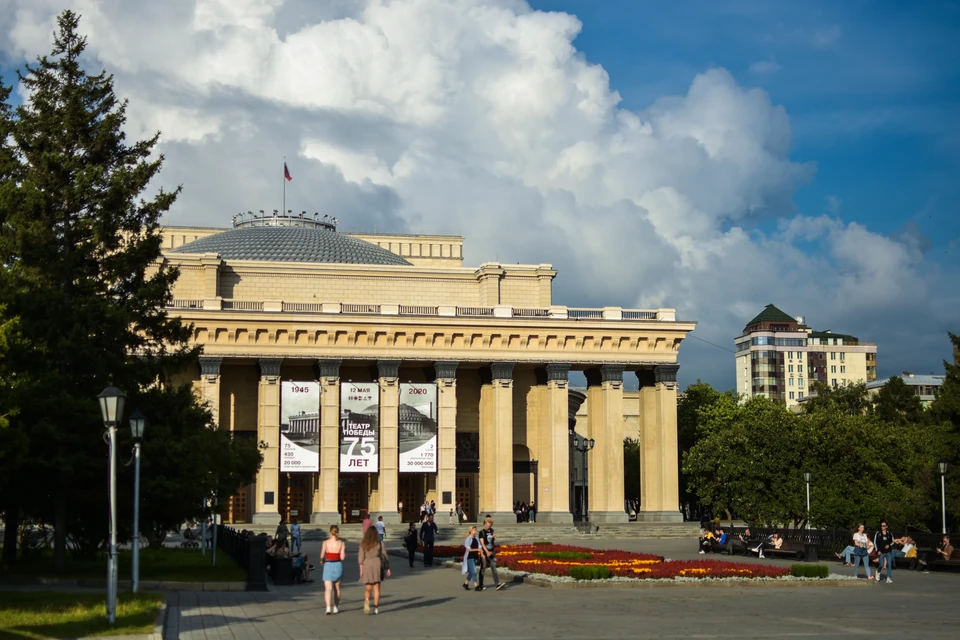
point(489, 555)
point(861, 553)
point(428, 534)
point(374, 568)
point(332, 555)
point(471, 555)
point(381, 528)
point(883, 542)
point(295, 535)
point(460, 516)
point(282, 532)
point(410, 542)
point(533, 511)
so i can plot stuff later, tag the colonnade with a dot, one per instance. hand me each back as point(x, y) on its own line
point(540, 405)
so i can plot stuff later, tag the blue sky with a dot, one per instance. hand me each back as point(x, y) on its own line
point(485, 119)
point(872, 90)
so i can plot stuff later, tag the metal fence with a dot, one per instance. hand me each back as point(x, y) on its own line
point(831, 541)
point(249, 551)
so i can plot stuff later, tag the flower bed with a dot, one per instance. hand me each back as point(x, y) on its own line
point(558, 560)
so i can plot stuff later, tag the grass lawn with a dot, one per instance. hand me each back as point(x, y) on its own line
point(48, 614)
point(180, 565)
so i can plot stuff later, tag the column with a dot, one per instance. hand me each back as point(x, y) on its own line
point(659, 467)
point(325, 507)
point(388, 377)
point(553, 503)
point(496, 443)
point(605, 426)
point(209, 385)
point(446, 376)
point(268, 431)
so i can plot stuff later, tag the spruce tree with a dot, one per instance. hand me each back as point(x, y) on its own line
point(79, 249)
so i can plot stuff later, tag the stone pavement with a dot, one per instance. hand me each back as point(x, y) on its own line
point(429, 603)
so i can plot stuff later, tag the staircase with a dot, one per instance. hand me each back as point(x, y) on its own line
point(509, 532)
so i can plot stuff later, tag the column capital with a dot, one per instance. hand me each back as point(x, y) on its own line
point(666, 374)
point(445, 370)
point(329, 368)
point(557, 371)
point(210, 367)
point(270, 368)
point(389, 369)
point(612, 373)
point(502, 370)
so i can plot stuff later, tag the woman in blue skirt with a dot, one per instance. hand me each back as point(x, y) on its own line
point(333, 553)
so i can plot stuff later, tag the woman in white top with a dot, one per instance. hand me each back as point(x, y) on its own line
point(861, 552)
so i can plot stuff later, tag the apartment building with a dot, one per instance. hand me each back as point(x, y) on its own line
point(780, 357)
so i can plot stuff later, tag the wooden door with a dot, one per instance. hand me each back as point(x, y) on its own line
point(465, 496)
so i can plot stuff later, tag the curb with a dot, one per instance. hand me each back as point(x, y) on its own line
point(145, 585)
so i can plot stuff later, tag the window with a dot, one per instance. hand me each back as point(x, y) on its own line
point(791, 382)
point(790, 355)
point(843, 369)
point(791, 395)
point(833, 368)
point(834, 382)
point(790, 368)
point(833, 355)
point(842, 357)
point(799, 368)
point(801, 395)
point(800, 382)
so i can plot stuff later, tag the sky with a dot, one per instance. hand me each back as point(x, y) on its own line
point(713, 157)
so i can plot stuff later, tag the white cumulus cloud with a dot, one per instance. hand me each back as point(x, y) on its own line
point(481, 117)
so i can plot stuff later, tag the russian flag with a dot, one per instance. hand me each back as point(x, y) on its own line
point(286, 172)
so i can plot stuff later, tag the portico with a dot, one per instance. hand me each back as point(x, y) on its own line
point(487, 343)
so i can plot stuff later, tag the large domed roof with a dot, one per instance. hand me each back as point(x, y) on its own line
point(291, 244)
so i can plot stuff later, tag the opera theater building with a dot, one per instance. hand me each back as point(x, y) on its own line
point(380, 372)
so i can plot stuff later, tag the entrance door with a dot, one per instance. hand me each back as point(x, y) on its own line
point(353, 497)
point(237, 507)
point(411, 491)
point(465, 495)
point(294, 489)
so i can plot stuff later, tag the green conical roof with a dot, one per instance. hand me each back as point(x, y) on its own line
point(771, 314)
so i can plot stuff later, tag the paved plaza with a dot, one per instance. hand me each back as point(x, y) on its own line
point(429, 603)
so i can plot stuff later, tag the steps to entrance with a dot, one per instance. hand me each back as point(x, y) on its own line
point(510, 531)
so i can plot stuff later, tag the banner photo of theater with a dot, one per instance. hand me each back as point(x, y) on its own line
point(300, 426)
point(418, 428)
point(359, 427)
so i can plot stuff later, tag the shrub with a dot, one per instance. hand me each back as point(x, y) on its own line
point(563, 555)
point(589, 573)
point(809, 571)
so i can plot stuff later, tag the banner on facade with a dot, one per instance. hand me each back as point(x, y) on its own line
point(359, 427)
point(418, 428)
point(299, 426)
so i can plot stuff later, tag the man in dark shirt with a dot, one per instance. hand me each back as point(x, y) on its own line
point(883, 542)
point(428, 533)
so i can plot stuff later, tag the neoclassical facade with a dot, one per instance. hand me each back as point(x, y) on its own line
point(288, 303)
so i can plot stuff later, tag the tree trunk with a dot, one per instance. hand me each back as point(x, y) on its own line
point(11, 520)
point(60, 533)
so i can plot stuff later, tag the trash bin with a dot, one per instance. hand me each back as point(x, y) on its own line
point(810, 552)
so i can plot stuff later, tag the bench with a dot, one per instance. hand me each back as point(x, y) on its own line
point(789, 549)
point(281, 570)
point(936, 560)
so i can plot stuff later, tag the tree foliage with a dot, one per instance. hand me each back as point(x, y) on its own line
point(80, 277)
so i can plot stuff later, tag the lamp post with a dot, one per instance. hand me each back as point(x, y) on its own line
point(137, 423)
point(807, 476)
point(943, 491)
point(583, 446)
point(111, 408)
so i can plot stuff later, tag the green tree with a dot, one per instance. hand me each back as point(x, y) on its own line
point(696, 397)
point(79, 243)
point(945, 410)
point(896, 403)
point(849, 398)
point(631, 468)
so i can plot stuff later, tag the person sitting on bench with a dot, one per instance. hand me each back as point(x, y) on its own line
point(945, 550)
point(741, 542)
point(706, 542)
point(776, 541)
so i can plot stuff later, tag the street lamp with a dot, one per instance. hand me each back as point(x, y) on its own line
point(137, 423)
point(943, 491)
point(111, 408)
point(807, 476)
point(583, 446)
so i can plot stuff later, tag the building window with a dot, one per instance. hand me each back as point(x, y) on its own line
point(801, 395)
point(834, 382)
point(790, 368)
point(843, 368)
point(800, 382)
point(791, 382)
point(799, 368)
point(833, 368)
point(791, 395)
point(833, 355)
